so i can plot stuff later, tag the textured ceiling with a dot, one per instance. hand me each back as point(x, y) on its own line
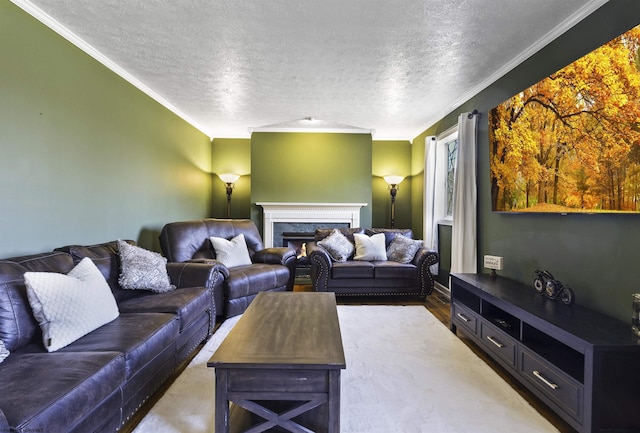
point(393, 66)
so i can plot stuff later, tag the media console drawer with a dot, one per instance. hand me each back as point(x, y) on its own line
point(582, 364)
point(553, 383)
point(499, 343)
point(465, 317)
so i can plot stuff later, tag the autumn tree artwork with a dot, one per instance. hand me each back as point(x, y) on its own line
point(571, 142)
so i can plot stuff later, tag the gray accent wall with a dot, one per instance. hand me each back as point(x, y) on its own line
point(85, 157)
point(597, 255)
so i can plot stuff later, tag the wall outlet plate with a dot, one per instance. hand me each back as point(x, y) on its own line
point(493, 262)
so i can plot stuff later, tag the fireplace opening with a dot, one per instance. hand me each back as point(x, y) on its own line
point(298, 241)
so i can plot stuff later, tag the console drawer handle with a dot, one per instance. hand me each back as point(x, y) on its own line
point(550, 384)
point(463, 317)
point(494, 341)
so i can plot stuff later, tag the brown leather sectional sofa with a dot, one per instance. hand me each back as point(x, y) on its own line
point(98, 381)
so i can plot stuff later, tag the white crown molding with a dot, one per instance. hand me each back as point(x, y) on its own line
point(57, 27)
point(313, 130)
point(590, 7)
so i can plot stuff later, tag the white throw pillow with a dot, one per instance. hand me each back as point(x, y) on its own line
point(370, 248)
point(232, 252)
point(142, 269)
point(70, 306)
point(4, 353)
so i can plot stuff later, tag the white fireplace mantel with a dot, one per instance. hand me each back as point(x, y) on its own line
point(275, 212)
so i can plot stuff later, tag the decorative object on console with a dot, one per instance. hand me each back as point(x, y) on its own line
point(70, 306)
point(229, 179)
point(547, 285)
point(231, 253)
point(370, 248)
point(393, 182)
point(142, 269)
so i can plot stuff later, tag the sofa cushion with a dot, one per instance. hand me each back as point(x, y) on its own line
point(370, 247)
point(337, 245)
point(352, 269)
point(68, 306)
point(390, 234)
point(232, 252)
point(51, 392)
point(188, 303)
point(18, 327)
point(320, 234)
point(403, 249)
point(394, 270)
point(258, 277)
point(105, 256)
point(140, 336)
point(187, 240)
point(142, 269)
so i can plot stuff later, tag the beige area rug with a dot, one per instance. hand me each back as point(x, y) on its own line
point(406, 372)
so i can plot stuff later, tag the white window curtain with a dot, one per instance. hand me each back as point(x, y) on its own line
point(464, 255)
point(431, 213)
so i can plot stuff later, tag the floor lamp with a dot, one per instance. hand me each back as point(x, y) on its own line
point(393, 182)
point(229, 179)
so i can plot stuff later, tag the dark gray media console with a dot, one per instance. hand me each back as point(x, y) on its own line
point(584, 365)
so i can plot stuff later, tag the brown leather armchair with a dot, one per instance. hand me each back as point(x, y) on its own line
point(272, 269)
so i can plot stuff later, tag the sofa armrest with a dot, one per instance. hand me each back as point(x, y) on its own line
point(423, 260)
point(201, 273)
point(274, 255)
point(196, 273)
point(279, 256)
point(4, 424)
point(321, 264)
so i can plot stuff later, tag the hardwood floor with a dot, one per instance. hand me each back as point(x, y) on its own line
point(439, 306)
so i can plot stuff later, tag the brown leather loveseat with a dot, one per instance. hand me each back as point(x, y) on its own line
point(271, 269)
point(350, 276)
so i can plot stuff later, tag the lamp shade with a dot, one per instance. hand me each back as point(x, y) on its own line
point(393, 180)
point(228, 177)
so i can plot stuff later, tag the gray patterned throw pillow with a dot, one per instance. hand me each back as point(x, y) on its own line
point(338, 246)
point(403, 249)
point(143, 269)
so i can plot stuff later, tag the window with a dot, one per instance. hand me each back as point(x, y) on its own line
point(446, 164)
point(452, 154)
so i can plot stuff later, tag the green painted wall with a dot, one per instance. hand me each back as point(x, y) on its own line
point(597, 255)
point(86, 157)
point(311, 167)
point(391, 157)
point(231, 155)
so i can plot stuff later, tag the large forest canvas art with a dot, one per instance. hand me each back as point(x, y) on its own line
point(571, 142)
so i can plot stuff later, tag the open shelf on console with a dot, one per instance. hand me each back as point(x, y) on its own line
point(468, 299)
point(562, 356)
point(500, 318)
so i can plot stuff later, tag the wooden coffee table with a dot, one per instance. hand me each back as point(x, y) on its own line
point(280, 365)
